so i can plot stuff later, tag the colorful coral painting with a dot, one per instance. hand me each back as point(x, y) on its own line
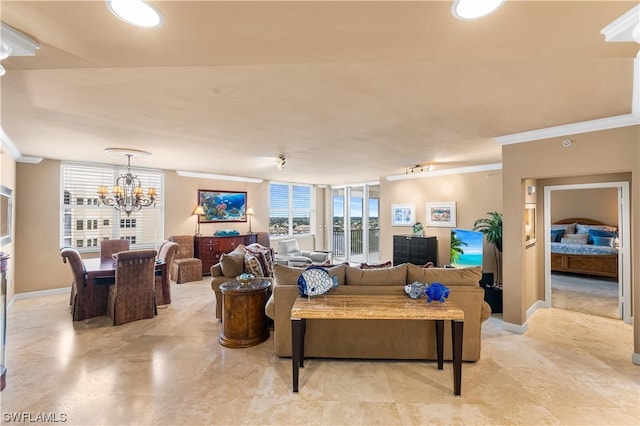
point(222, 206)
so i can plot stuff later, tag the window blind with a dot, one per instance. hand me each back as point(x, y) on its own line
point(85, 221)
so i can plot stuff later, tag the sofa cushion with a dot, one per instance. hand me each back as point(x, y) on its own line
point(375, 265)
point(264, 255)
point(287, 275)
point(396, 275)
point(446, 276)
point(232, 263)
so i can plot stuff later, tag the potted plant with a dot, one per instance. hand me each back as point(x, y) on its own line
point(491, 227)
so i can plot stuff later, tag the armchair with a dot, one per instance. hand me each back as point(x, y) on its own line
point(288, 251)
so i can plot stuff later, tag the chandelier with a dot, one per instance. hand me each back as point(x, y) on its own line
point(127, 195)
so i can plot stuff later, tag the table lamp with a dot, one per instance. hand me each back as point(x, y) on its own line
point(198, 211)
point(250, 213)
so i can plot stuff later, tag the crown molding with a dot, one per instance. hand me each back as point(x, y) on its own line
point(20, 44)
point(14, 152)
point(184, 173)
point(621, 29)
point(445, 172)
point(570, 129)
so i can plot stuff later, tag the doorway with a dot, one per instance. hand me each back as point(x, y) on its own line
point(570, 288)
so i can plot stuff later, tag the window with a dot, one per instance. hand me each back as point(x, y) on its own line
point(290, 209)
point(80, 205)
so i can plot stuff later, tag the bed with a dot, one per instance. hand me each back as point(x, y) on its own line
point(585, 246)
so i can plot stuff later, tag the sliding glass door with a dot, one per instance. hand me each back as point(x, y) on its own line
point(356, 229)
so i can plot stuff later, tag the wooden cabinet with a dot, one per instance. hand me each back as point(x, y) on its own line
point(416, 250)
point(209, 249)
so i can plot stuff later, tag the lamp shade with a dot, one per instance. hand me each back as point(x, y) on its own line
point(198, 210)
point(250, 211)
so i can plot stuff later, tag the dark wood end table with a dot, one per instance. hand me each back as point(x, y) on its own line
point(244, 322)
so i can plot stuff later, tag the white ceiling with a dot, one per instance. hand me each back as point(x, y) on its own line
point(348, 91)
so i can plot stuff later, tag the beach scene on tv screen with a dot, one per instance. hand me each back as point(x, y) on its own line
point(466, 248)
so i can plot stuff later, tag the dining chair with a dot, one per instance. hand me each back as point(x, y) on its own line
point(81, 307)
point(163, 285)
point(110, 247)
point(185, 266)
point(132, 297)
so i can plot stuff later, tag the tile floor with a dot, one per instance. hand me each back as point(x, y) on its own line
point(569, 368)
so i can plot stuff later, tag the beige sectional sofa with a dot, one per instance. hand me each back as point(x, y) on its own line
point(379, 339)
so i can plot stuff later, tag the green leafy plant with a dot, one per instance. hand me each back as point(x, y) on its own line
point(491, 227)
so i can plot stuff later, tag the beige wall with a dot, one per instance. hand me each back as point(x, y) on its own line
point(600, 204)
point(595, 155)
point(475, 194)
point(8, 179)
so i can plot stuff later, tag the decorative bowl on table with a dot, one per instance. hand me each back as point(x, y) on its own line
point(245, 279)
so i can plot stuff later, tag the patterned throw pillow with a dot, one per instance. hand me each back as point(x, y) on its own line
point(375, 265)
point(252, 265)
point(264, 256)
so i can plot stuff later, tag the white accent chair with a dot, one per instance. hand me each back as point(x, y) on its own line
point(288, 253)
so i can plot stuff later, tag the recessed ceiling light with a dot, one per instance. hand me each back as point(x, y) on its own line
point(136, 12)
point(472, 9)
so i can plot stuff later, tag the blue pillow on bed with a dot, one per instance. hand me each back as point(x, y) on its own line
point(603, 241)
point(600, 233)
point(556, 235)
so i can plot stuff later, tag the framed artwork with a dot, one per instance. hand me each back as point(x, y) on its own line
point(222, 206)
point(403, 214)
point(442, 214)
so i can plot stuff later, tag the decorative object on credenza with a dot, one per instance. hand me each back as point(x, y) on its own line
point(491, 227)
point(418, 229)
point(415, 290)
point(250, 213)
point(245, 278)
point(226, 232)
point(222, 206)
point(436, 291)
point(127, 194)
point(442, 214)
point(198, 211)
point(403, 214)
point(315, 280)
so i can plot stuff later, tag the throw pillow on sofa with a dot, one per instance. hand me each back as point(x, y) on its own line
point(232, 264)
point(252, 265)
point(264, 255)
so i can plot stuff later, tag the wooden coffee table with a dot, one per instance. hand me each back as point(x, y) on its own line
point(365, 307)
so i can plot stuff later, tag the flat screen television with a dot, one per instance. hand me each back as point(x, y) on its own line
point(466, 248)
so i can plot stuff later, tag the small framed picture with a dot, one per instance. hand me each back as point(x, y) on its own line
point(403, 214)
point(442, 214)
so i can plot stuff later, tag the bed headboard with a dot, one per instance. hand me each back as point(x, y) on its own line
point(579, 220)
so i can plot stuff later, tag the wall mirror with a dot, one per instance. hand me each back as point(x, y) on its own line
point(5, 215)
point(530, 223)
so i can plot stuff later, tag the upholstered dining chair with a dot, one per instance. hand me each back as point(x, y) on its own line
point(81, 307)
point(110, 247)
point(133, 296)
point(185, 267)
point(163, 285)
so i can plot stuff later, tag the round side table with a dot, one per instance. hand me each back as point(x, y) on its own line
point(244, 322)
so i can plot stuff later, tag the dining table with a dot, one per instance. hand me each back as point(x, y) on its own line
point(102, 271)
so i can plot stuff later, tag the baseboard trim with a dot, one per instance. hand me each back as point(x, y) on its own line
point(532, 310)
point(41, 293)
point(515, 328)
point(635, 358)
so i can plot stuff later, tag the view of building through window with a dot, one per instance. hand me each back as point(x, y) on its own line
point(85, 222)
point(289, 209)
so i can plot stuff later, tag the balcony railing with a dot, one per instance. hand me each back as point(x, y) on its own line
point(356, 242)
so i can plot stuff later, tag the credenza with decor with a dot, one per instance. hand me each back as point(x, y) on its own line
point(414, 249)
point(210, 248)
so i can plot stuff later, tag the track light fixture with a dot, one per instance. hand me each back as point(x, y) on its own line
point(282, 160)
point(418, 168)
